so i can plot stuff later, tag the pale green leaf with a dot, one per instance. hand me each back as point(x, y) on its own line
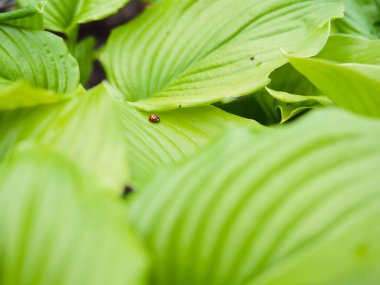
point(361, 18)
point(28, 96)
point(57, 229)
point(38, 57)
point(355, 87)
point(346, 48)
point(280, 102)
point(179, 134)
point(64, 15)
point(86, 129)
point(191, 52)
point(291, 206)
point(291, 105)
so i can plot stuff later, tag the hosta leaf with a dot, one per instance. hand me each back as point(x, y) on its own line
point(361, 18)
point(199, 52)
point(256, 208)
point(290, 105)
point(179, 134)
point(288, 95)
point(58, 230)
point(64, 15)
point(30, 96)
point(29, 15)
point(260, 107)
point(346, 48)
point(38, 57)
point(355, 87)
point(86, 129)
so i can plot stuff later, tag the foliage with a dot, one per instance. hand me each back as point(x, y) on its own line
point(248, 132)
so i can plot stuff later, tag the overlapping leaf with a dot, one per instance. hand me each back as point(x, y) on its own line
point(57, 229)
point(64, 15)
point(362, 18)
point(288, 95)
point(178, 135)
point(30, 97)
point(29, 15)
point(353, 84)
point(86, 129)
point(38, 57)
point(228, 51)
point(298, 205)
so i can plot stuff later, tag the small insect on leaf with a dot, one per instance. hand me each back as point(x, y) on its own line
point(127, 190)
point(154, 119)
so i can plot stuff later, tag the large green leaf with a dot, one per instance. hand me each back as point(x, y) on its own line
point(64, 15)
point(179, 134)
point(86, 129)
point(290, 206)
point(188, 53)
point(56, 229)
point(38, 57)
point(355, 86)
point(361, 18)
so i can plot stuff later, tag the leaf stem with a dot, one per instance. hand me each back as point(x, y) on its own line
point(72, 37)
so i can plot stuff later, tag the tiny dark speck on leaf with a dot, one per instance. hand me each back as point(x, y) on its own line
point(127, 190)
point(252, 58)
point(154, 119)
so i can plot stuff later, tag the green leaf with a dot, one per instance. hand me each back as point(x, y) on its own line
point(30, 96)
point(59, 230)
point(29, 15)
point(346, 48)
point(200, 52)
point(259, 106)
point(179, 134)
point(38, 57)
point(62, 16)
point(86, 129)
point(291, 105)
point(84, 52)
point(355, 87)
point(290, 206)
point(361, 18)
point(27, 8)
point(289, 94)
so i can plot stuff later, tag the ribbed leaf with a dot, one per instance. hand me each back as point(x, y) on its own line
point(86, 129)
point(57, 229)
point(297, 205)
point(288, 95)
point(199, 52)
point(360, 19)
point(346, 48)
point(291, 105)
point(355, 86)
point(29, 96)
point(63, 15)
point(39, 57)
point(178, 135)
point(29, 15)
